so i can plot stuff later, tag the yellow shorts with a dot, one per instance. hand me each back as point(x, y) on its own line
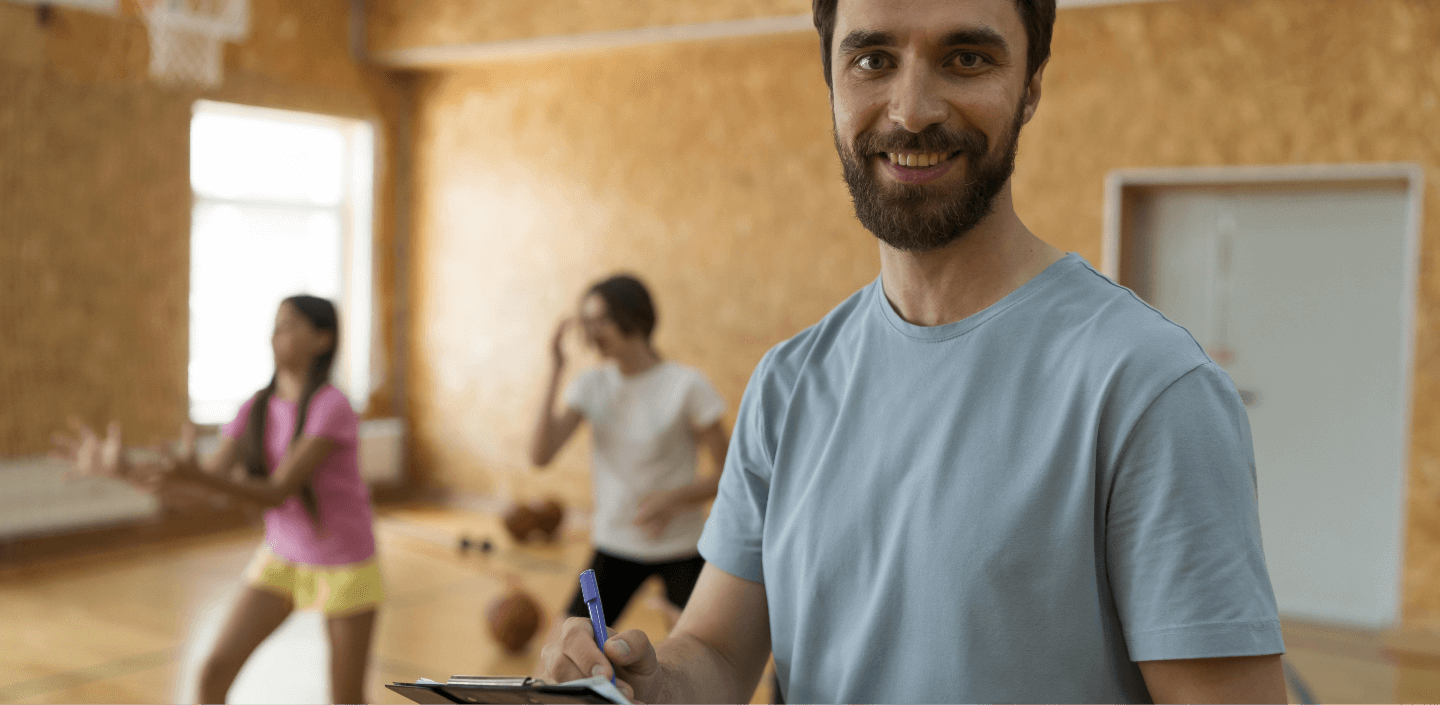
point(336, 590)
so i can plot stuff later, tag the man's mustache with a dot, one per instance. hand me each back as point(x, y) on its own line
point(935, 139)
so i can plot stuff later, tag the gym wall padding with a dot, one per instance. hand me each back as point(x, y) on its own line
point(95, 204)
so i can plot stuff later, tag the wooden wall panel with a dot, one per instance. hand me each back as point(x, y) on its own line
point(95, 203)
point(408, 24)
point(708, 168)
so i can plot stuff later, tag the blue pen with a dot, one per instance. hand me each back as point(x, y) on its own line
point(590, 592)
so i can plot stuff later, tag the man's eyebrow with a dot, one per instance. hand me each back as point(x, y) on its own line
point(976, 36)
point(862, 38)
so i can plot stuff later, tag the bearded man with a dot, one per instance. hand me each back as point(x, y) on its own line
point(992, 475)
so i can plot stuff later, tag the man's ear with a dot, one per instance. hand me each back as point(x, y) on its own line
point(1032, 91)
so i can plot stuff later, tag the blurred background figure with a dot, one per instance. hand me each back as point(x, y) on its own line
point(648, 417)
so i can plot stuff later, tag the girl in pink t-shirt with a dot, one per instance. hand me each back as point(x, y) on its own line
point(292, 449)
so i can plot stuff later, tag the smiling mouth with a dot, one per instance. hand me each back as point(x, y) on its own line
point(918, 160)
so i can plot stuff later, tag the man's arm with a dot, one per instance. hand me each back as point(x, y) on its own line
point(715, 654)
point(1240, 679)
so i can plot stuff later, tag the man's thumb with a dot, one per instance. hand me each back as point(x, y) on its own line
point(631, 649)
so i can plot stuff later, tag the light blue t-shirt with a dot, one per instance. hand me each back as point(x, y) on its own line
point(1012, 507)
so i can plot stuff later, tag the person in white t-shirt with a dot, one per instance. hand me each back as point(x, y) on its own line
point(648, 417)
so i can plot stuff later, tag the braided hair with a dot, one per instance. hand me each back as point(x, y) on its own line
point(321, 314)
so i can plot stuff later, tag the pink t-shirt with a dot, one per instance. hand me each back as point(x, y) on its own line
point(344, 534)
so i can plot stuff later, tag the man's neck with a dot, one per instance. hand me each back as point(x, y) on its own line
point(970, 274)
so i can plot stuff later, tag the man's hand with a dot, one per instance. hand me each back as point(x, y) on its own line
point(628, 657)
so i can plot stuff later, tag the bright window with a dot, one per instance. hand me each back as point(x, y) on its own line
point(282, 206)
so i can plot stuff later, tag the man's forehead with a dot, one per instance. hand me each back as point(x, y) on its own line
point(927, 16)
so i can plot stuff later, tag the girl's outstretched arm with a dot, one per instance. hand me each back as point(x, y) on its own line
point(295, 469)
point(108, 457)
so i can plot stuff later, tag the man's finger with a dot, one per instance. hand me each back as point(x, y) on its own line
point(625, 689)
point(578, 643)
point(558, 666)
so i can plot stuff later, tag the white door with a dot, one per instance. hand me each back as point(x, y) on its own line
point(1299, 292)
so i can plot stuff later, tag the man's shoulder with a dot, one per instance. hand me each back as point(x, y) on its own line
point(784, 362)
point(1109, 338)
point(1112, 324)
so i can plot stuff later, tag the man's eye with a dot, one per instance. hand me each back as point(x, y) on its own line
point(969, 60)
point(871, 62)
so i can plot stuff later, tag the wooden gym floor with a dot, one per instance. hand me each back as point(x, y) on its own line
point(132, 626)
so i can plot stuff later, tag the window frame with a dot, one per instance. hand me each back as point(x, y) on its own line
point(357, 367)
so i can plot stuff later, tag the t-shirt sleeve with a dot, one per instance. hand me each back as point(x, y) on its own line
point(236, 427)
point(703, 404)
point(734, 533)
point(580, 394)
point(331, 417)
point(1183, 529)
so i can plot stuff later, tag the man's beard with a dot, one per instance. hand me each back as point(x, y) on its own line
point(922, 217)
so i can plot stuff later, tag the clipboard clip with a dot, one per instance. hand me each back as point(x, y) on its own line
point(500, 681)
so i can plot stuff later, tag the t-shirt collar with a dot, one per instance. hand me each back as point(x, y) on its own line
point(965, 325)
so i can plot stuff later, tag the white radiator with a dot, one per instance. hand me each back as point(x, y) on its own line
point(37, 498)
point(382, 451)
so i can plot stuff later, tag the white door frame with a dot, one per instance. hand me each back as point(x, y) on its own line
point(1413, 175)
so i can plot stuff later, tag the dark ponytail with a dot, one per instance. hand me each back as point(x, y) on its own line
point(321, 314)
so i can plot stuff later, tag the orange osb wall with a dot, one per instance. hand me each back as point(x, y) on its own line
point(410, 24)
point(708, 169)
point(95, 203)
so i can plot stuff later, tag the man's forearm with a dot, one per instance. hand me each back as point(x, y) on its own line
point(696, 673)
point(1240, 679)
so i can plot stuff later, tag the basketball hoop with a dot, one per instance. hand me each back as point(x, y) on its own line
point(187, 38)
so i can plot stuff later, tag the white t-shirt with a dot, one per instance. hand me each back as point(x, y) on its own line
point(642, 428)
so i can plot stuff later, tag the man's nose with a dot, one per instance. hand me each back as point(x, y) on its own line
point(915, 101)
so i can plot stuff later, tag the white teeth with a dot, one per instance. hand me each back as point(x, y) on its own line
point(928, 159)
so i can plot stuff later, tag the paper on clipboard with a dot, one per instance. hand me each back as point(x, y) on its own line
point(491, 689)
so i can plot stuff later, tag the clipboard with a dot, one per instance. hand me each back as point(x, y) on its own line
point(492, 689)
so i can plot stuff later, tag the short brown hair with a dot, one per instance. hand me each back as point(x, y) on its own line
point(1038, 16)
point(628, 302)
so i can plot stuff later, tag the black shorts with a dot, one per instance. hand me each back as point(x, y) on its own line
point(619, 578)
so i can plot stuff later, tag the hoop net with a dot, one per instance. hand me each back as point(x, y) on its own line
point(187, 38)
